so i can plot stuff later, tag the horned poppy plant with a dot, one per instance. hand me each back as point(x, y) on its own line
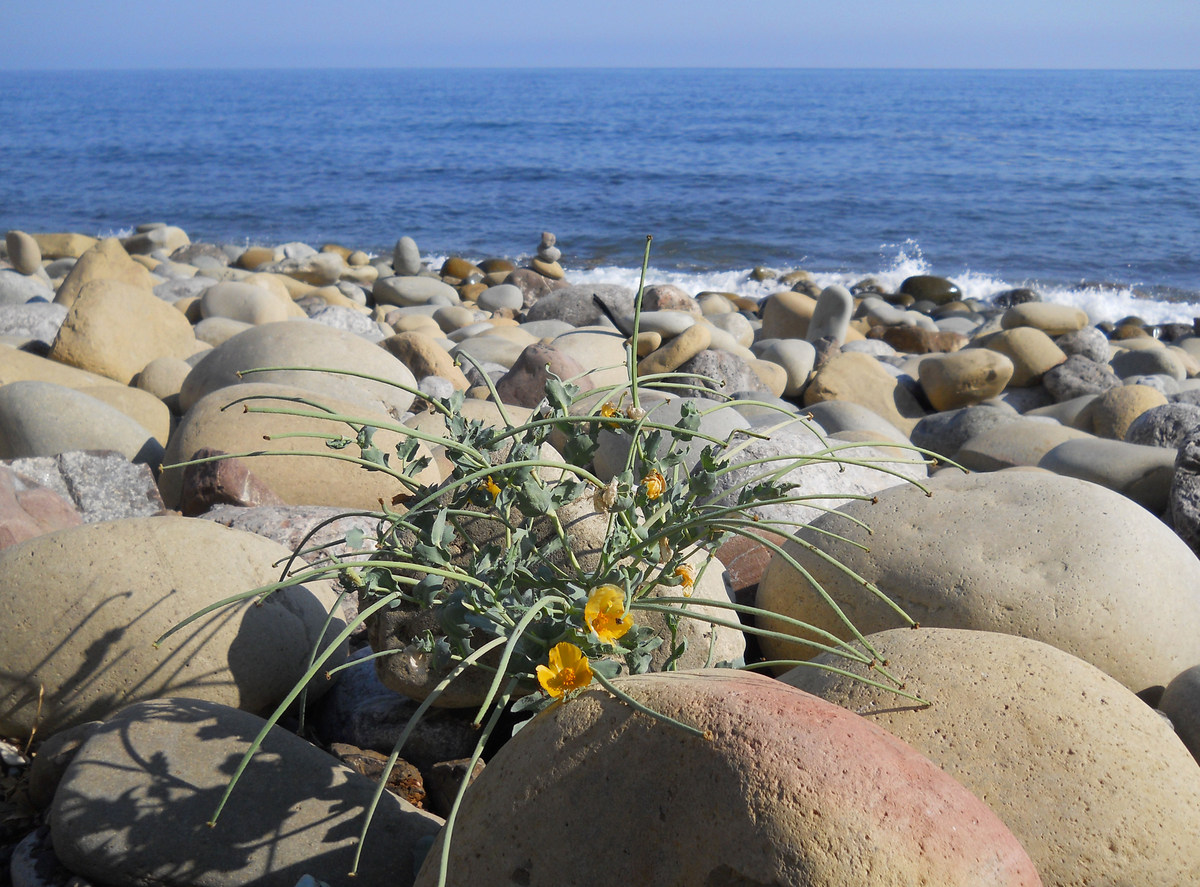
point(568, 670)
point(608, 411)
point(655, 484)
point(605, 613)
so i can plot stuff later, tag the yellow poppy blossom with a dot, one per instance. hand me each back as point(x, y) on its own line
point(568, 670)
point(608, 411)
point(605, 613)
point(655, 484)
point(490, 486)
point(688, 574)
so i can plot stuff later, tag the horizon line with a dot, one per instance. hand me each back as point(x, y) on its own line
point(281, 68)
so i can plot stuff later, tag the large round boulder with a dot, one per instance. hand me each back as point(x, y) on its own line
point(302, 343)
point(1021, 552)
point(303, 474)
point(788, 790)
point(1093, 783)
point(83, 647)
point(134, 804)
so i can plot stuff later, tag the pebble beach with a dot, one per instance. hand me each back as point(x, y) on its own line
point(1039, 516)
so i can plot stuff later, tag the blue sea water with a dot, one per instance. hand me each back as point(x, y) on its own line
point(1083, 183)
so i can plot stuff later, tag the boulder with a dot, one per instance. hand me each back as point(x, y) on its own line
point(1052, 558)
point(118, 586)
point(296, 476)
point(302, 343)
point(114, 329)
point(861, 379)
point(44, 419)
point(1090, 780)
point(964, 377)
point(135, 803)
point(106, 260)
point(788, 790)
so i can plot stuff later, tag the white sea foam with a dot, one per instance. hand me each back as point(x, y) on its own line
point(1101, 302)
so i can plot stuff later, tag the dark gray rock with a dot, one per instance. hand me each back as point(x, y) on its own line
point(945, 432)
point(1018, 296)
point(1077, 376)
point(1185, 492)
point(937, 290)
point(719, 371)
point(1088, 342)
point(574, 305)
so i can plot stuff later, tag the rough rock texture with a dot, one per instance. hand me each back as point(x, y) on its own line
point(525, 383)
point(100, 485)
point(790, 790)
point(1092, 782)
point(1053, 558)
point(133, 806)
point(116, 587)
point(29, 509)
point(1167, 425)
point(1079, 375)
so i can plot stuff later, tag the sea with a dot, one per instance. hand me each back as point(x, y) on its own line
point(1084, 185)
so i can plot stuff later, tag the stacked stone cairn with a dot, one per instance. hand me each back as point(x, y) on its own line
point(1057, 583)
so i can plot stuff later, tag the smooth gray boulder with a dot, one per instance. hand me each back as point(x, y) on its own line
point(302, 343)
point(404, 291)
point(119, 585)
point(44, 419)
point(1143, 473)
point(135, 802)
point(1022, 552)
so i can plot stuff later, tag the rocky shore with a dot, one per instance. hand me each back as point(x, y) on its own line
point(1049, 554)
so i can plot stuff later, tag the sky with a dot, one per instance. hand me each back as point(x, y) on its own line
point(148, 34)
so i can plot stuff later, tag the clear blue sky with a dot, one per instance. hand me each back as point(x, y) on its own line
point(619, 33)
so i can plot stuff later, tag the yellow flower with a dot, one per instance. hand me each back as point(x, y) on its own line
point(605, 613)
point(490, 486)
point(655, 484)
point(568, 670)
point(608, 411)
point(688, 575)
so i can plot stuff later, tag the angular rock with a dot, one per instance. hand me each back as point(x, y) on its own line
point(788, 791)
point(107, 260)
point(119, 586)
point(1079, 563)
point(575, 305)
point(226, 481)
point(133, 806)
point(29, 509)
point(1013, 719)
point(101, 486)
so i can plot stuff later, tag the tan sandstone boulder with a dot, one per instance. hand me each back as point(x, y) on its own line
point(83, 647)
point(789, 790)
point(1029, 553)
point(1092, 782)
